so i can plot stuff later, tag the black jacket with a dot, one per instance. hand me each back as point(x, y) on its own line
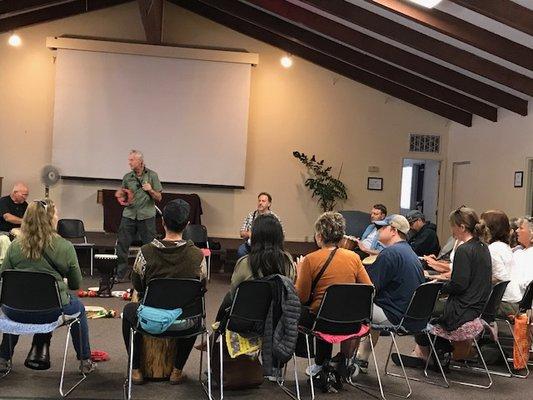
point(425, 241)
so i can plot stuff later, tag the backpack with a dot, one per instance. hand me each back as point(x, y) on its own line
point(156, 320)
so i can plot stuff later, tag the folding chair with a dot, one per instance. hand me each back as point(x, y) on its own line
point(198, 235)
point(35, 292)
point(172, 293)
point(524, 306)
point(488, 313)
point(344, 308)
point(247, 315)
point(74, 229)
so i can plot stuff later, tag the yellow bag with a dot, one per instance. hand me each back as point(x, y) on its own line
point(238, 345)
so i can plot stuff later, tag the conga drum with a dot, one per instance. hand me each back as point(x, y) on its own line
point(369, 260)
point(157, 354)
point(348, 242)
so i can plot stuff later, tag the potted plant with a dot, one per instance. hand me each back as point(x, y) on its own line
point(326, 188)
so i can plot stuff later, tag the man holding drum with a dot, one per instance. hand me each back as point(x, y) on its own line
point(140, 190)
point(369, 242)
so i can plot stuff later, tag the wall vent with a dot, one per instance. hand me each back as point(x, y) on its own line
point(424, 143)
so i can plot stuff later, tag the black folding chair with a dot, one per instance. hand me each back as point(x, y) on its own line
point(172, 293)
point(247, 315)
point(488, 314)
point(414, 321)
point(343, 309)
point(198, 235)
point(35, 292)
point(74, 229)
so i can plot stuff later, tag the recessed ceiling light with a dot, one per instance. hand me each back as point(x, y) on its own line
point(14, 40)
point(286, 61)
point(427, 3)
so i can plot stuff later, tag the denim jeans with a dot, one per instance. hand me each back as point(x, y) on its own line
point(83, 349)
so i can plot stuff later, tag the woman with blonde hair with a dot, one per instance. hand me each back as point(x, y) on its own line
point(40, 249)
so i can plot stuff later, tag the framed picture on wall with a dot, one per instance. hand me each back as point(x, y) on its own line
point(374, 183)
point(518, 179)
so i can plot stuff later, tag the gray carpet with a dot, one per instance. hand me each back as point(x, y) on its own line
point(106, 382)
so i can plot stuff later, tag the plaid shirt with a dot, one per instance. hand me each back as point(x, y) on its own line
point(247, 223)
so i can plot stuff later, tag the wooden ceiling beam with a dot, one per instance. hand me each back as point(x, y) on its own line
point(354, 57)
point(152, 19)
point(504, 11)
point(416, 40)
point(461, 30)
point(11, 6)
point(328, 62)
point(385, 51)
point(54, 12)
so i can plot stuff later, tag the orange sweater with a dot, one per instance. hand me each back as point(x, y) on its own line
point(345, 267)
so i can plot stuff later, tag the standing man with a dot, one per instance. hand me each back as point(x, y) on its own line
point(13, 207)
point(423, 235)
point(264, 201)
point(138, 216)
point(369, 243)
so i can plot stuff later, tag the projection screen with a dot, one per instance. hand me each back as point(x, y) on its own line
point(189, 117)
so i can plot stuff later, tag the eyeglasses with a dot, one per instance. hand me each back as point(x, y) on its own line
point(43, 203)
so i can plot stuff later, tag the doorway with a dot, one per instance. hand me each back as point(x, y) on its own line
point(420, 187)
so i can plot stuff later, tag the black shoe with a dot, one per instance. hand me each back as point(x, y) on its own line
point(39, 357)
point(408, 361)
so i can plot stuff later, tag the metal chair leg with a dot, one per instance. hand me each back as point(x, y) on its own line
point(207, 388)
point(127, 382)
point(364, 388)
point(485, 369)
point(221, 377)
point(281, 382)
point(309, 365)
point(62, 380)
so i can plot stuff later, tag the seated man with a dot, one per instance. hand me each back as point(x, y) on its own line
point(396, 274)
point(369, 243)
point(423, 236)
point(264, 201)
point(171, 257)
point(13, 207)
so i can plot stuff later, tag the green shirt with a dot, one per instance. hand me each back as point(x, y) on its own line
point(63, 255)
point(143, 206)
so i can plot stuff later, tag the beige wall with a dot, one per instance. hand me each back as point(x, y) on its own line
point(304, 108)
point(495, 152)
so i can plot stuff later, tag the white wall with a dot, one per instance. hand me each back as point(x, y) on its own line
point(495, 151)
point(305, 108)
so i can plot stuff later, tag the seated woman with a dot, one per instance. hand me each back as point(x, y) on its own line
point(344, 267)
point(172, 257)
point(39, 248)
point(443, 263)
point(266, 257)
point(497, 236)
point(469, 287)
point(522, 271)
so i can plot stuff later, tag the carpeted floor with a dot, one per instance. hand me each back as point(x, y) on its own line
point(106, 382)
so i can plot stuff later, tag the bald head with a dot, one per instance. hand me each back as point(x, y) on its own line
point(20, 192)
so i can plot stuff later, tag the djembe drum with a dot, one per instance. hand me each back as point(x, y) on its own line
point(106, 265)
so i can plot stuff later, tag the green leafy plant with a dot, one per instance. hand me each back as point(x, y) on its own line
point(327, 189)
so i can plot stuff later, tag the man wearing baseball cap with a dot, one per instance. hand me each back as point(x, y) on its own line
point(171, 257)
point(423, 238)
point(396, 273)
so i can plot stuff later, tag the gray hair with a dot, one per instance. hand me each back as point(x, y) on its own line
point(331, 226)
point(137, 154)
